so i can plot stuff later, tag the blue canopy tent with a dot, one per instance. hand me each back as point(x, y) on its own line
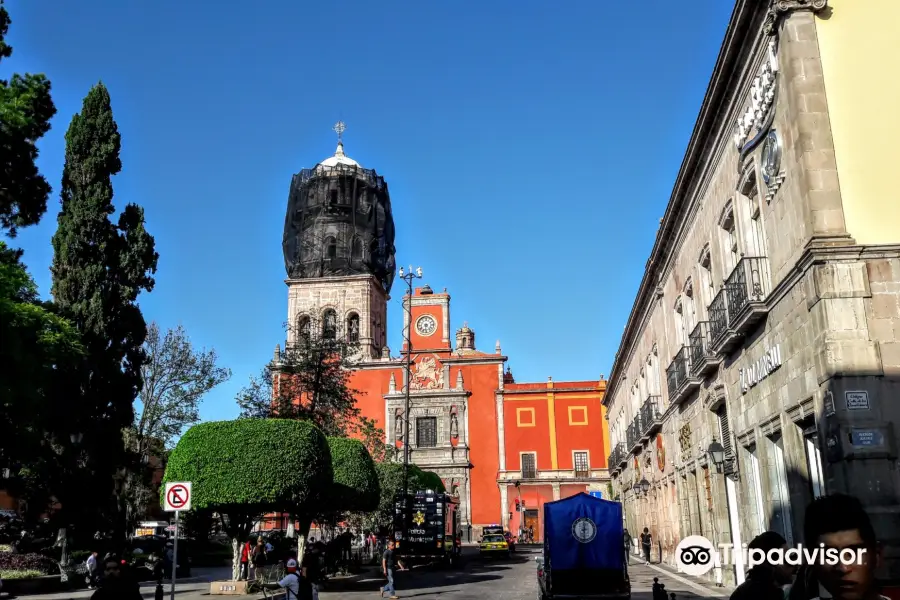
point(583, 532)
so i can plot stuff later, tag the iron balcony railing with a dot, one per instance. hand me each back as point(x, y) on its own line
point(698, 342)
point(677, 372)
point(635, 431)
point(621, 453)
point(747, 283)
point(650, 415)
point(718, 316)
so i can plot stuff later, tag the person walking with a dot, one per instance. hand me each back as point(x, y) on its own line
point(117, 585)
point(93, 569)
point(628, 543)
point(245, 561)
point(387, 566)
point(646, 544)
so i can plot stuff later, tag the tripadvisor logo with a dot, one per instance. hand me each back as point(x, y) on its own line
point(696, 555)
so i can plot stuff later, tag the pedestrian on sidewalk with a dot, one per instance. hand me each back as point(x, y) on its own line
point(387, 566)
point(245, 561)
point(93, 569)
point(766, 581)
point(629, 543)
point(646, 544)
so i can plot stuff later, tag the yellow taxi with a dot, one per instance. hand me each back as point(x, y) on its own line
point(494, 545)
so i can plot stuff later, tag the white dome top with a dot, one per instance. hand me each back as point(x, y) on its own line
point(339, 158)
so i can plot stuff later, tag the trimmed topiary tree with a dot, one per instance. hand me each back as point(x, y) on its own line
point(245, 468)
point(431, 481)
point(355, 486)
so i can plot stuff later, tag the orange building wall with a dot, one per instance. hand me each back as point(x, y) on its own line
point(539, 438)
point(588, 437)
point(372, 385)
point(484, 446)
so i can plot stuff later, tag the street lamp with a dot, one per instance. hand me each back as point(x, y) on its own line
point(645, 485)
point(717, 454)
point(408, 277)
point(636, 488)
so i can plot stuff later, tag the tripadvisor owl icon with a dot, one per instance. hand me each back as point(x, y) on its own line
point(584, 530)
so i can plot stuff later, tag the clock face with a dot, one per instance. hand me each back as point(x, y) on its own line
point(426, 325)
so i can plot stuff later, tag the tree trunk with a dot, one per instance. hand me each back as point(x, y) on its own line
point(302, 534)
point(235, 559)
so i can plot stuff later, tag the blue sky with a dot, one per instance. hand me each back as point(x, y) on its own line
point(530, 151)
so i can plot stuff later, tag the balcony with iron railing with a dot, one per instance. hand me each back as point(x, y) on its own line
point(740, 304)
point(748, 286)
point(703, 359)
point(635, 431)
point(651, 416)
point(679, 378)
point(621, 454)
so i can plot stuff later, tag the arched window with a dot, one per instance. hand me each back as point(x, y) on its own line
point(330, 247)
point(353, 328)
point(303, 328)
point(356, 248)
point(329, 324)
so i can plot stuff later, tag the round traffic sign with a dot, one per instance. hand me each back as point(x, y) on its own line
point(178, 496)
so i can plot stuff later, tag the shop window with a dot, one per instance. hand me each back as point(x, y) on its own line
point(754, 489)
point(780, 515)
point(426, 432)
point(813, 457)
point(529, 465)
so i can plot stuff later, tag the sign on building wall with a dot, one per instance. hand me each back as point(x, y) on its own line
point(857, 400)
point(764, 366)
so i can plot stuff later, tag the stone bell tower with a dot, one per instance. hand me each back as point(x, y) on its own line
point(339, 251)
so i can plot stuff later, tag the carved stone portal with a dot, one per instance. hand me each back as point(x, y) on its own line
point(427, 375)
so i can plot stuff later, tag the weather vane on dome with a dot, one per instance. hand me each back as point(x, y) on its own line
point(339, 128)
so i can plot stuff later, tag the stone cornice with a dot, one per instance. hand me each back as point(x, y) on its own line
point(705, 144)
point(481, 360)
point(782, 8)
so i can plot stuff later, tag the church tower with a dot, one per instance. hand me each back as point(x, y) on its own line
point(339, 251)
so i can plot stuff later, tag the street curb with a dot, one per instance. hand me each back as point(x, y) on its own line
point(697, 587)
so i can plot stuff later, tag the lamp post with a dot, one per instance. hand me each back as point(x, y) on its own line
point(408, 277)
point(717, 454)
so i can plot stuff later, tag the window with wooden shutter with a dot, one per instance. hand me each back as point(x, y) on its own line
point(725, 431)
point(529, 467)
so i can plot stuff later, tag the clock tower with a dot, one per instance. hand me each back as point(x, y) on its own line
point(339, 251)
point(430, 320)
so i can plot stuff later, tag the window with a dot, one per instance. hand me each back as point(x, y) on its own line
point(730, 253)
point(688, 310)
point(331, 248)
point(681, 330)
point(353, 328)
point(525, 417)
point(706, 289)
point(578, 415)
point(529, 467)
point(813, 457)
point(725, 431)
point(356, 248)
point(582, 467)
point(780, 516)
point(329, 324)
point(332, 196)
point(426, 432)
point(754, 486)
point(303, 329)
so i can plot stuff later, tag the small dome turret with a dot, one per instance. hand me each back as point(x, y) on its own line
point(465, 338)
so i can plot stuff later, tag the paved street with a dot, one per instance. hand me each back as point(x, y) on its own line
point(477, 579)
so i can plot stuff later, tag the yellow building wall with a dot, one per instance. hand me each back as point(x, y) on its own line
point(859, 42)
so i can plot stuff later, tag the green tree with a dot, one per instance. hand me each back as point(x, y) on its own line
point(390, 481)
point(432, 481)
point(40, 351)
point(99, 269)
point(243, 469)
point(25, 112)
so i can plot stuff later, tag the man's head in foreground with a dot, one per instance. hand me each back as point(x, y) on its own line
point(765, 542)
point(840, 522)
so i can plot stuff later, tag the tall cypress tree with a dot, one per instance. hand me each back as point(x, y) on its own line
point(99, 269)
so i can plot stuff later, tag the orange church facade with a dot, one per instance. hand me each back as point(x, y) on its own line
point(491, 440)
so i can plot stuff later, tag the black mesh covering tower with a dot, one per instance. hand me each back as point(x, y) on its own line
point(339, 222)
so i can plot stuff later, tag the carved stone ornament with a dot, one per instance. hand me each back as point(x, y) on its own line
point(782, 8)
point(684, 438)
point(762, 94)
point(427, 375)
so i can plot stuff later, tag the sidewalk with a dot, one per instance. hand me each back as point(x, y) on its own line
point(698, 584)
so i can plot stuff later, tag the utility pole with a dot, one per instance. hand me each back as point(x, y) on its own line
point(408, 277)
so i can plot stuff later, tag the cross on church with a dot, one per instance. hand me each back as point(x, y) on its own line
point(339, 128)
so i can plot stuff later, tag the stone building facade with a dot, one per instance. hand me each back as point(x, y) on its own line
point(768, 317)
